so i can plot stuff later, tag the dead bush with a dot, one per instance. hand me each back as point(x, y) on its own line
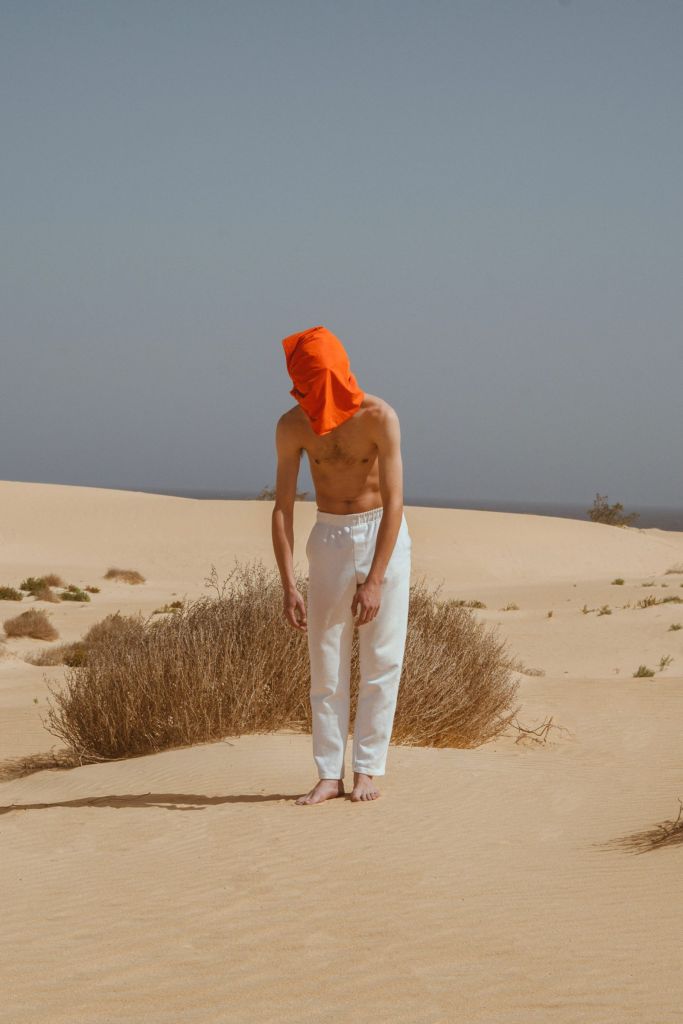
point(32, 623)
point(124, 576)
point(230, 665)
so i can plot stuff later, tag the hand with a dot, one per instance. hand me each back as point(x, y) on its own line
point(294, 610)
point(366, 599)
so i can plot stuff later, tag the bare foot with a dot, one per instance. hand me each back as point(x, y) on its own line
point(363, 787)
point(324, 790)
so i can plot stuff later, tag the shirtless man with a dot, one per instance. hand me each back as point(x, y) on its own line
point(358, 552)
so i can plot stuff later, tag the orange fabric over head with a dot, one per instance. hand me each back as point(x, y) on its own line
point(323, 383)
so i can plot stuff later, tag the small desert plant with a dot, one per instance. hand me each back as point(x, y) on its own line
point(642, 671)
point(10, 594)
point(677, 568)
point(93, 590)
point(231, 665)
point(672, 599)
point(32, 623)
point(585, 610)
point(601, 512)
point(618, 582)
point(53, 580)
point(510, 607)
point(75, 654)
point(46, 594)
point(32, 584)
point(462, 603)
point(675, 626)
point(172, 607)
point(664, 661)
point(549, 615)
point(268, 494)
point(72, 654)
point(647, 602)
point(74, 594)
point(605, 610)
point(124, 576)
point(650, 584)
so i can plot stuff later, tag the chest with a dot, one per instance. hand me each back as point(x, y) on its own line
point(340, 453)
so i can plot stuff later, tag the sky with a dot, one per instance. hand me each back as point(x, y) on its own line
point(481, 199)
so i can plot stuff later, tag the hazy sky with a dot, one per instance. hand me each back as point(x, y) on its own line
point(481, 199)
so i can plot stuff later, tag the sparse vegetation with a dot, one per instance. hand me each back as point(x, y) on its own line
point(92, 590)
point(510, 607)
point(618, 582)
point(268, 494)
point(677, 568)
point(124, 576)
point(605, 610)
point(664, 661)
point(675, 626)
point(33, 584)
point(459, 602)
point(585, 610)
point(642, 671)
point(549, 615)
point(75, 654)
point(10, 594)
point(172, 607)
point(46, 594)
point(648, 602)
point(33, 624)
point(230, 665)
point(73, 593)
point(53, 580)
point(611, 515)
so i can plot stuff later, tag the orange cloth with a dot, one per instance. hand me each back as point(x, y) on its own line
point(324, 386)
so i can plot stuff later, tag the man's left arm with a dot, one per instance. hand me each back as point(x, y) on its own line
point(390, 466)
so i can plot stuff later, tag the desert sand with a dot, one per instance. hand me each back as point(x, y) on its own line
point(509, 884)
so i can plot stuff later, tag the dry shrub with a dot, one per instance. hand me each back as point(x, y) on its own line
point(124, 576)
point(10, 594)
point(230, 665)
point(46, 594)
point(32, 623)
point(63, 654)
point(74, 654)
point(53, 580)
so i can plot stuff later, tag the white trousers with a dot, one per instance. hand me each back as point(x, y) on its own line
point(340, 549)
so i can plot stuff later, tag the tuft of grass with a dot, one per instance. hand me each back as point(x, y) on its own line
point(172, 607)
point(585, 610)
point(665, 660)
point(677, 568)
point(642, 671)
point(230, 664)
point(461, 603)
point(46, 594)
point(73, 593)
point(648, 602)
point(53, 580)
point(32, 584)
point(33, 623)
point(605, 610)
point(510, 607)
point(675, 626)
point(10, 594)
point(549, 615)
point(124, 576)
point(93, 590)
point(618, 582)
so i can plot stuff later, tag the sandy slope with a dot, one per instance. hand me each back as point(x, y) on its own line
point(495, 885)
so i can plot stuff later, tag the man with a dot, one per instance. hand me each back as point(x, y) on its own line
point(359, 556)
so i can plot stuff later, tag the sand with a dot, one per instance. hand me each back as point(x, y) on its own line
point(497, 885)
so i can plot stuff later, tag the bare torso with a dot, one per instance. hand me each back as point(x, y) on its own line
point(343, 462)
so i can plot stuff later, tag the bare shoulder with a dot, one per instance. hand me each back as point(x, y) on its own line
point(288, 429)
point(382, 416)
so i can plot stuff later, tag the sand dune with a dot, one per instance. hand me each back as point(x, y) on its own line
point(496, 885)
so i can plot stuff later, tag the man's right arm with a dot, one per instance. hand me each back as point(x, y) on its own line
point(288, 463)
